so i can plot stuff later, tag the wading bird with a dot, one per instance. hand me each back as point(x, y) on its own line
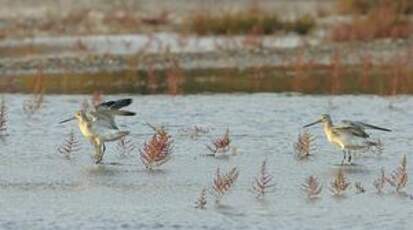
point(349, 135)
point(97, 124)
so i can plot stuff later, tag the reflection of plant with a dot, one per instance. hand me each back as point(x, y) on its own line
point(399, 176)
point(221, 144)
point(339, 184)
point(376, 147)
point(195, 131)
point(201, 202)
point(3, 117)
point(312, 187)
point(359, 187)
point(262, 182)
point(70, 146)
point(304, 145)
point(223, 183)
point(157, 150)
point(125, 146)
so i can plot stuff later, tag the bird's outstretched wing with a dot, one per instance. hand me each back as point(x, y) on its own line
point(361, 125)
point(104, 114)
point(113, 107)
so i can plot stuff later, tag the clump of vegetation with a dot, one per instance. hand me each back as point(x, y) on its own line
point(262, 183)
point(125, 146)
point(365, 6)
point(221, 144)
point(3, 117)
point(157, 151)
point(35, 101)
point(304, 146)
point(359, 187)
point(399, 176)
point(339, 184)
point(312, 187)
point(201, 202)
point(380, 182)
point(223, 183)
point(195, 132)
point(253, 20)
point(70, 146)
point(380, 22)
point(174, 77)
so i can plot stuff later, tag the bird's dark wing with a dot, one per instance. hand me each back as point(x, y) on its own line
point(362, 125)
point(118, 104)
point(114, 107)
point(351, 130)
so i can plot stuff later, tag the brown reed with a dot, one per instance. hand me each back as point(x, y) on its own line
point(262, 183)
point(339, 183)
point(70, 146)
point(304, 147)
point(223, 183)
point(312, 187)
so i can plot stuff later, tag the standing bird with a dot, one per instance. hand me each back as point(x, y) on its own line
point(349, 135)
point(97, 124)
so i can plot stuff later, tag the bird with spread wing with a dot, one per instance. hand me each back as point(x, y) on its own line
point(97, 124)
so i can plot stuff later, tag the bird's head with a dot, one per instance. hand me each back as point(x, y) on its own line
point(324, 118)
point(79, 115)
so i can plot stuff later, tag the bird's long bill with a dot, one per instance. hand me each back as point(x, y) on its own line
point(311, 124)
point(70, 119)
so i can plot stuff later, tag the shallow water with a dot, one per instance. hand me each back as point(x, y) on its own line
point(41, 190)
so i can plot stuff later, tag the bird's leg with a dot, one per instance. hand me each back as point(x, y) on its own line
point(103, 148)
point(349, 157)
point(99, 151)
point(344, 157)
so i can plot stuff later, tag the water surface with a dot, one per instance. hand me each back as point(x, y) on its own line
point(41, 190)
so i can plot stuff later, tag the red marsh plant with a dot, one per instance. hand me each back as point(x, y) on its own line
point(262, 183)
point(367, 65)
point(304, 146)
point(201, 202)
point(223, 183)
point(339, 183)
point(125, 147)
point(36, 99)
point(3, 117)
point(336, 72)
point(221, 144)
point(97, 98)
point(153, 84)
point(380, 22)
point(174, 78)
point(399, 176)
point(312, 187)
point(70, 146)
point(157, 150)
point(380, 182)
